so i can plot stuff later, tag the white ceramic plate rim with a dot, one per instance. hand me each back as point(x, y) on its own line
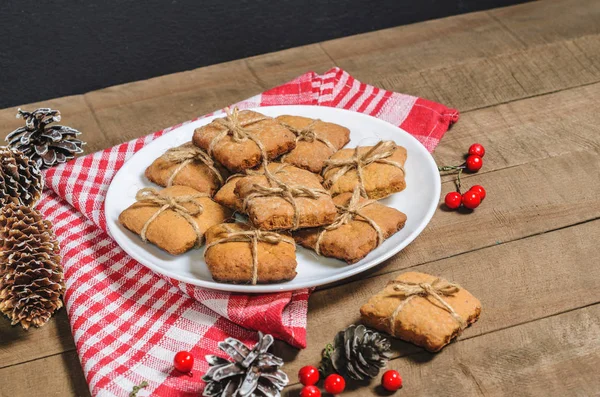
point(363, 265)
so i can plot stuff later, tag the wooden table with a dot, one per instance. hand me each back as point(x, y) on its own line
point(527, 81)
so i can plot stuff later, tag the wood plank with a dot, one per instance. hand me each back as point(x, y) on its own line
point(457, 39)
point(59, 375)
point(555, 356)
point(540, 23)
point(521, 202)
point(517, 283)
point(18, 345)
point(421, 46)
point(507, 77)
point(279, 67)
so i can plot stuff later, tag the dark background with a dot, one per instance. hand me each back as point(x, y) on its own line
point(50, 49)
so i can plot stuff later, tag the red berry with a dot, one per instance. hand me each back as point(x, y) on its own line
point(477, 149)
point(310, 391)
point(479, 189)
point(391, 380)
point(474, 163)
point(453, 200)
point(183, 362)
point(308, 375)
point(334, 384)
point(471, 199)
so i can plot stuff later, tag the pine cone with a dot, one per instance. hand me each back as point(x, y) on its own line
point(21, 181)
point(44, 144)
point(31, 276)
point(253, 372)
point(358, 353)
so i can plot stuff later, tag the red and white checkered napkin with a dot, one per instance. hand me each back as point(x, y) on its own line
point(127, 321)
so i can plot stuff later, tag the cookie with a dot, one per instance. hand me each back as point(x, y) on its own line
point(351, 238)
point(230, 257)
point(292, 200)
point(236, 140)
point(405, 310)
point(175, 230)
point(187, 165)
point(316, 141)
point(226, 195)
point(381, 170)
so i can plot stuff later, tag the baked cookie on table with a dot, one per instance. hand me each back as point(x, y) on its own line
point(174, 219)
point(316, 141)
point(360, 226)
point(238, 140)
point(291, 200)
point(187, 165)
point(226, 195)
point(237, 253)
point(378, 170)
point(422, 309)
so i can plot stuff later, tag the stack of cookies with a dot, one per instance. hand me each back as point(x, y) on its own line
point(292, 180)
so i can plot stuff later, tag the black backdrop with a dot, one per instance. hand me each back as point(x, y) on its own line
point(54, 48)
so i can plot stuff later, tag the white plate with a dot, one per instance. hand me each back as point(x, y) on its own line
point(418, 201)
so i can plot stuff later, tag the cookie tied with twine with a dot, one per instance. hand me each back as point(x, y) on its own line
point(316, 141)
point(297, 185)
point(185, 155)
point(226, 195)
point(231, 264)
point(348, 213)
point(236, 128)
point(437, 289)
point(383, 153)
point(173, 203)
point(309, 134)
point(360, 226)
point(423, 309)
point(174, 219)
point(243, 139)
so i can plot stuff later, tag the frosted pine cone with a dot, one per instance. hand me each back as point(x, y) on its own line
point(21, 181)
point(45, 144)
point(252, 372)
point(31, 276)
point(358, 353)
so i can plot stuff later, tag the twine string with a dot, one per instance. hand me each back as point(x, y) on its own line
point(348, 213)
point(377, 154)
point(308, 134)
point(438, 288)
point(232, 126)
point(279, 188)
point(253, 237)
point(185, 155)
point(151, 196)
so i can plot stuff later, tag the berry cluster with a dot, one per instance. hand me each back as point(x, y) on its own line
point(335, 384)
point(475, 195)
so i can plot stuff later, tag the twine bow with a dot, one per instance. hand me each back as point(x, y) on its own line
point(233, 126)
point(287, 192)
point(186, 154)
point(377, 154)
point(253, 237)
point(348, 213)
point(150, 195)
point(438, 288)
point(308, 134)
